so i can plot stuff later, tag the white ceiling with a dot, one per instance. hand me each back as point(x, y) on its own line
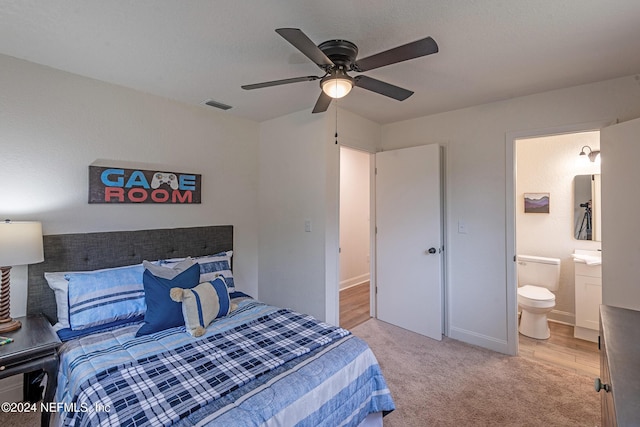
point(194, 50)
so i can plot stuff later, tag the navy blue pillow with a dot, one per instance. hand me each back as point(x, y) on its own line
point(162, 312)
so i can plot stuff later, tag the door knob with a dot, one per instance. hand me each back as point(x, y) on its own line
point(432, 250)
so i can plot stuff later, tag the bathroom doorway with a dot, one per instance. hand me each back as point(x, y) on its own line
point(547, 162)
point(355, 301)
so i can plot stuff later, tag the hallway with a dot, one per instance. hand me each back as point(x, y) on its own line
point(354, 305)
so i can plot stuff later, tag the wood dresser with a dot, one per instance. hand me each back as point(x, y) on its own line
point(619, 381)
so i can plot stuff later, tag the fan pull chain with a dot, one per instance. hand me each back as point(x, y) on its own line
point(336, 136)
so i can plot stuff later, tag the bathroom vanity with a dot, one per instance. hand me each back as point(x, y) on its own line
point(588, 293)
point(619, 382)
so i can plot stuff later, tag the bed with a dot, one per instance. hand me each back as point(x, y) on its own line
point(255, 364)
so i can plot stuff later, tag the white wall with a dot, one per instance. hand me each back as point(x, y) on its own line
point(478, 267)
point(299, 171)
point(549, 165)
point(354, 217)
point(55, 124)
point(292, 190)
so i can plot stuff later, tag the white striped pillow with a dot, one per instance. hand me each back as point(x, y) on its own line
point(211, 266)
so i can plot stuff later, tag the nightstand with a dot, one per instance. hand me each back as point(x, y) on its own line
point(34, 347)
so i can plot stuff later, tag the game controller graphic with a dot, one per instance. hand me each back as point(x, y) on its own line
point(164, 178)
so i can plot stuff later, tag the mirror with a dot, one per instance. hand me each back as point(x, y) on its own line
point(586, 209)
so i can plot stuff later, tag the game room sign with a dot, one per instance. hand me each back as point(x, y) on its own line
point(120, 185)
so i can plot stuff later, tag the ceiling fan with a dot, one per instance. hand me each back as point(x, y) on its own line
point(337, 57)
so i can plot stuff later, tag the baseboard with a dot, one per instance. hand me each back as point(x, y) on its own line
point(354, 281)
point(586, 334)
point(11, 389)
point(562, 317)
point(491, 343)
point(559, 322)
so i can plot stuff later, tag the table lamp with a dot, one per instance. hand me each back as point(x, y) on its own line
point(20, 244)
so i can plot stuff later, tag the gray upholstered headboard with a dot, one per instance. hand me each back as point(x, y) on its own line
point(92, 251)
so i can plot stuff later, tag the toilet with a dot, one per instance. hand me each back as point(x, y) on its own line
point(537, 278)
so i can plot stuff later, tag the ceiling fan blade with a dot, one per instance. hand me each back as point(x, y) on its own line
point(378, 86)
point(301, 42)
point(322, 103)
point(280, 82)
point(398, 54)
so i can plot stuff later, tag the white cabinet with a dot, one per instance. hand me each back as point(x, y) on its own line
point(588, 287)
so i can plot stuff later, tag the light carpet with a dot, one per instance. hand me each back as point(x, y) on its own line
point(451, 383)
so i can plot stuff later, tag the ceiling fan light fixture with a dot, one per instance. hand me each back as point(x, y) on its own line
point(337, 85)
point(336, 57)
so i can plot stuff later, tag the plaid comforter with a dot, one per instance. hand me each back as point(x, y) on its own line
point(166, 387)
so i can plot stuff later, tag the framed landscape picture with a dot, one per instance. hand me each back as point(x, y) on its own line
point(536, 202)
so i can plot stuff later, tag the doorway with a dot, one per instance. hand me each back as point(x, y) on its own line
point(355, 279)
point(405, 230)
point(546, 162)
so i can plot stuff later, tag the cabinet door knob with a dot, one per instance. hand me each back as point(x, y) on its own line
point(599, 385)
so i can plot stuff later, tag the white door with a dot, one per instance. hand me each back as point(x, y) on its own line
point(620, 147)
point(409, 239)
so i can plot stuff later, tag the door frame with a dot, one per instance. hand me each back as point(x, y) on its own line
point(372, 235)
point(510, 207)
point(372, 231)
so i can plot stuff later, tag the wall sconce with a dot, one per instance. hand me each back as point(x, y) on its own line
point(593, 155)
point(20, 244)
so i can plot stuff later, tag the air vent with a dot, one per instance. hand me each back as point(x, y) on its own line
point(212, 103)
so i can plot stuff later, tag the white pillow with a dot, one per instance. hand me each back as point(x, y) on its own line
point(60, 286)
point(168, 272)
point(211, 267)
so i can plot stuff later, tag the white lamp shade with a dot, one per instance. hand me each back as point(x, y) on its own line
point(20, 243)
point(337, 87)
